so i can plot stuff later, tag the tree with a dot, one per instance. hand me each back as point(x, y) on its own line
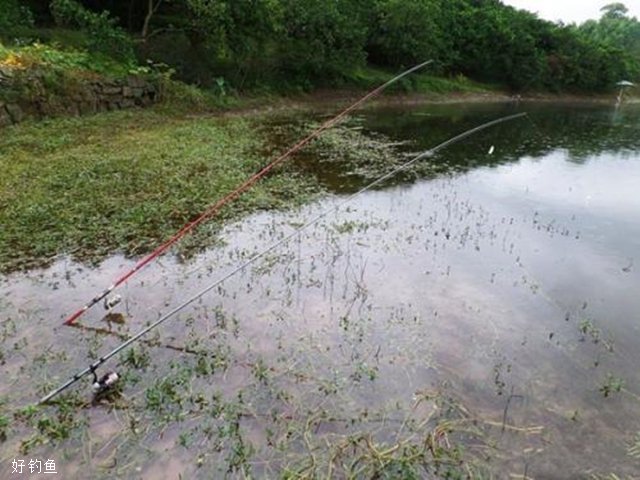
point(406, 32)
point(321, 39)
point(618, 33)
point(152, 8)
point(314, 42)
point(13, 18)
point(614, 11)
point(103, 33)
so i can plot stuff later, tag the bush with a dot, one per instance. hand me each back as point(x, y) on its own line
point(407, 32)
point(104, 35)
point(54, 58)
point(321, 41)
point(13, 19)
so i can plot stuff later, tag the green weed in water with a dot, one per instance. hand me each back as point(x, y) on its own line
point(4, 428)
point(588, 328)
point(137, 358)
point(634, 447)
point(612, 384)
point(53, 424)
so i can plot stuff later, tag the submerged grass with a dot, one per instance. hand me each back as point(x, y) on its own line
point(124, 181)
point(347, 157)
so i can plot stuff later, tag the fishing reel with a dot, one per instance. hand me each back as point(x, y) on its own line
point(110, 302)
point(105, 383)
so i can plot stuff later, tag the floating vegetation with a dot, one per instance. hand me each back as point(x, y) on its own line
point(348, 156)
point(612, 384)
point(422, 447)
point(356, 153)
point(4, 428)
point(114, 317)
point(52, 427)
point(634, 447)
point(588, 329)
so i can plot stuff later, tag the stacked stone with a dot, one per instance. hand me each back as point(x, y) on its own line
point(88, 97)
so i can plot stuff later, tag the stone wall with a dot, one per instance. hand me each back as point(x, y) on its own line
point(84, 97)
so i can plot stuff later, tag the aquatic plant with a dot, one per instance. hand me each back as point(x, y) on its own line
point(4, 428)
point(612, 384)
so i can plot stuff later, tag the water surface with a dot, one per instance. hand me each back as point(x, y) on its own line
point(506, 278)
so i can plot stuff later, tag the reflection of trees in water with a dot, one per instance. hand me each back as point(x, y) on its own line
point(583, 131)
point(586, 133)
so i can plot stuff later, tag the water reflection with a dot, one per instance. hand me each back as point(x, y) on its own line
point(582, 131)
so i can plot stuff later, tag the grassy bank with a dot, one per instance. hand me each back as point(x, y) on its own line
point(123, 181)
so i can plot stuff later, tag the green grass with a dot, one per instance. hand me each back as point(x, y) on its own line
point(55, 75)
point(125, 181)
point(460, 84)
point(4, 428)
point(58, 59)
point(421, 82)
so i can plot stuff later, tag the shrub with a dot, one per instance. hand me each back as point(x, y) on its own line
point(104, 35)
point(13, 18)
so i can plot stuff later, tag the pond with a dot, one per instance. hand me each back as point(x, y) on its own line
point(478, 316)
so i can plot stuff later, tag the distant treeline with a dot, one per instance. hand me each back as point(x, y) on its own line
point(308, 43)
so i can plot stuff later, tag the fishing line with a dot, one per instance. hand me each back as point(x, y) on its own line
point(92, 368)
point(213, 209)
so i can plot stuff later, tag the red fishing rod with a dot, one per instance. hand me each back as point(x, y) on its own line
point(215, 208)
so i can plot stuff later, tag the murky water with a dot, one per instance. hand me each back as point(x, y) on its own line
point(507, 281)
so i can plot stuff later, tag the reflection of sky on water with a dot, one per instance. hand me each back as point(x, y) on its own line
point(610, 185)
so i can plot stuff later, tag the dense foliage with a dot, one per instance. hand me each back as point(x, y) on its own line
point(306, 43)
point(618, 32)
point(14, 17)
point(103, 35)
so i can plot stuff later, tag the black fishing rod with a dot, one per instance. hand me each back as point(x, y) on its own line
point(91, 369)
